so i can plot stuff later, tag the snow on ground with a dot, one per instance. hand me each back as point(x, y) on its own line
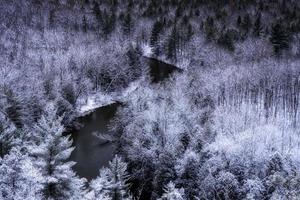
point(97, 100)
point(92, 102)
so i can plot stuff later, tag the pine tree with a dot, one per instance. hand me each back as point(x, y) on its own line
point(109, 22)
point(189, 32)
point(189, 178)
point(246, 23)
point(34, 109)
point(119, 177)
point(164, 173)
point(111, 183)
point(172, 193)
point(99, 186)
point(210, 29)
point(172, 45)
point(239, 21)
point(257, 29)
point(84, 24)
point(48, 87)
point(48, 125)
point(68, 92)
point(98, 13)
point(51, 18)
point(226, 41)
point(134, 62)
point(127, 23)
point(50, 154)
point(279, 38)
point(7, 139)
point(14, 109)
point(154, 38)
point(20, 180)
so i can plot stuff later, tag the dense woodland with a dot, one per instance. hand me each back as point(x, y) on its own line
point(226, 127)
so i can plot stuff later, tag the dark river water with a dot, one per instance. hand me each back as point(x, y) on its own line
point(93, 152)
point(160, 70)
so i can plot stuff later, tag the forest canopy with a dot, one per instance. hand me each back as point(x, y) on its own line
point(222, 124)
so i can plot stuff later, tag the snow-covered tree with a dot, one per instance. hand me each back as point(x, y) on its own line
point(254, 189)
point(14, 108)
point(172, 193)
point(99, 186)
point(48, 125)
point(50, 154)
point(7, 139)
point(112, 181)
point(188, 172)
point(20, 179)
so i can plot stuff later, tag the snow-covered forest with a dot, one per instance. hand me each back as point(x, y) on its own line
point(206, 94)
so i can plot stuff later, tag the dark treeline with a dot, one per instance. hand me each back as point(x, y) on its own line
point(173, 23)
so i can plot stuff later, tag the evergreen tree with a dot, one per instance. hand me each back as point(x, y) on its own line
point(279, 38)
point(68, 92)
point(84, 24)
point(154, 38)
point(111, 182)
point(210, 29)
point(51, 18)
point(49, 124)
point(127, 23)
point(20, 180)
point(239, 21)
point(164, 173)
point(172, 193)
point(7, 139)
point(257, 29)
point(172, 44)
point(227, 186)
point(109, 22)
point(189, 32)
point(226, 41)
point(34, 109)
point(133, 60)
point(50, 154)
point(101, 185)
point(14, 109)
point(48, 87)
point(65, 110)
point(246, 23)
point(189, 178)
point(98, 13)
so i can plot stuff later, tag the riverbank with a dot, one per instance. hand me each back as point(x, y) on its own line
point(88, 104)
point(94, 142)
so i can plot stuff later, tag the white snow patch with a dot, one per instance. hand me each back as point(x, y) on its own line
point(94, 101)
point(97, 100)
point(146, 50)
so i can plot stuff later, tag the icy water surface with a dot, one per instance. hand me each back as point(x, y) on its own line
point(93, 152)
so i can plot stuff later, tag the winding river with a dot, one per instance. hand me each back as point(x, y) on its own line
point(93, 152)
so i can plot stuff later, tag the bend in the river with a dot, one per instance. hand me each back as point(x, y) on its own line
point(93, 146)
